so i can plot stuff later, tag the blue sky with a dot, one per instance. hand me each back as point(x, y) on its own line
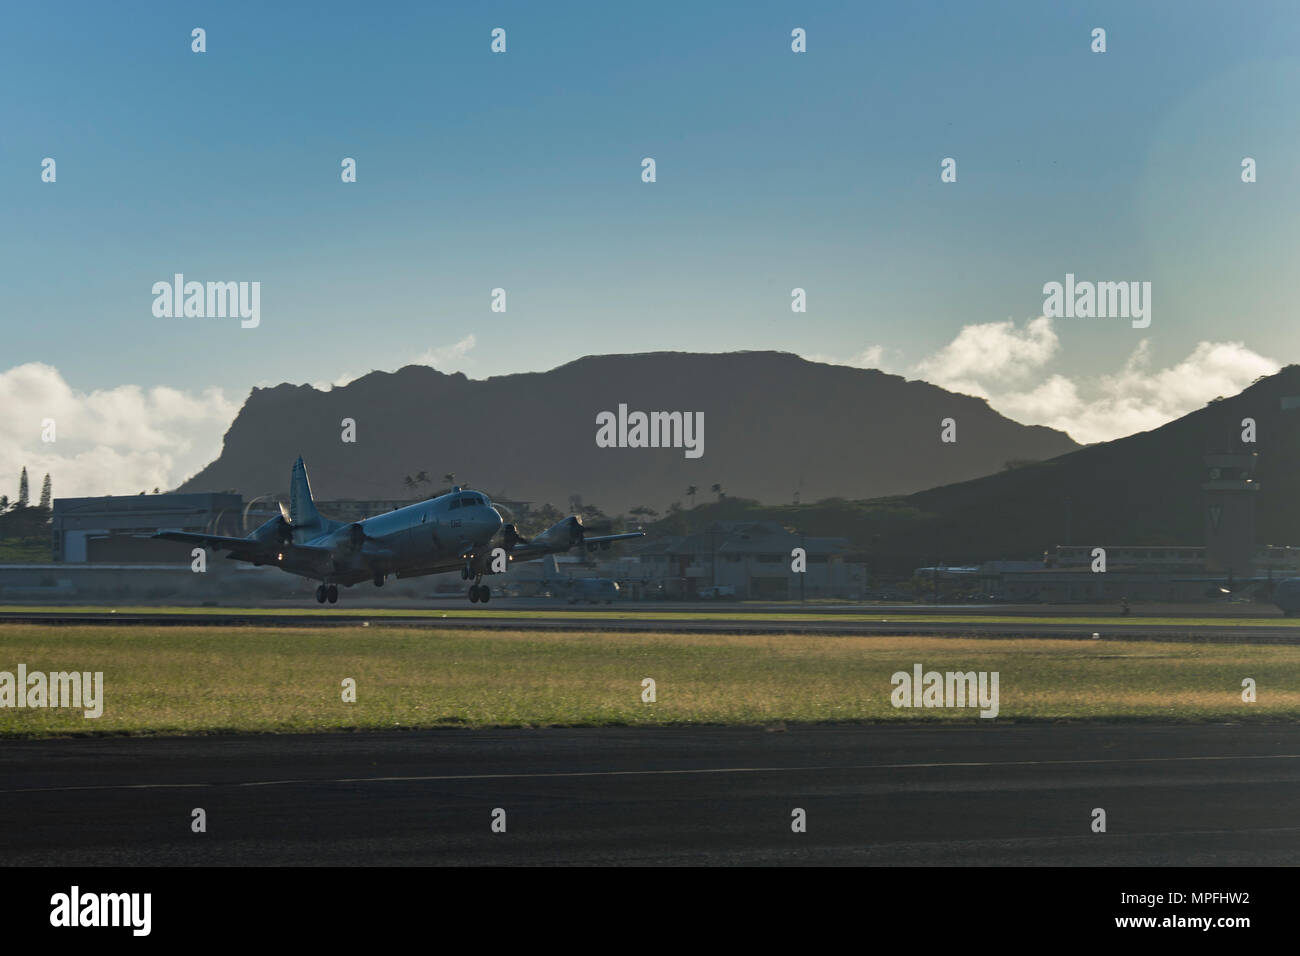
point(522, 171)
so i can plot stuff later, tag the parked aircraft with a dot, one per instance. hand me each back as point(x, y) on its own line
point(573, 589)
point(452, 532)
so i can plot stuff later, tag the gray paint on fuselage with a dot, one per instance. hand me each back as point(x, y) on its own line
point(429, 532)
point(435, 529)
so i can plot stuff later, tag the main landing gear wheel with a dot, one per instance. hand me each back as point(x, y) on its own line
point(379, 580)
point(479, 592)
point(332, 593)
point(320, 594)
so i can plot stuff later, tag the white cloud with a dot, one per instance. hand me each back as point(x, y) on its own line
point(1009, 367)
point(1135, 398)
point(872, 357)
point(125, 439)
point(448, 358)
point(112, 441)
point(992, 350)
point(345, 378)
point(445, 358)
point(1138, 398)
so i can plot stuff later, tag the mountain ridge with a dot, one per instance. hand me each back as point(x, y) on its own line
point(774, 424)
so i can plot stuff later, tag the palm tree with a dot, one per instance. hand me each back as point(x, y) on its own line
point(717, 490)
point(690, 493)
point(450, 479)
point(422, 478)
point(409, 482)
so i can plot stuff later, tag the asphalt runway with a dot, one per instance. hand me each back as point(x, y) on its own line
point(1203, 795)
point(829, 624)
point(366, 600)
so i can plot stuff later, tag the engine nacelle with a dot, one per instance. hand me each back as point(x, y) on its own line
point(356, 536)
point(511, 537)
point(573, 525)
point(276, 530)
point(564, 534)
point(560, 536)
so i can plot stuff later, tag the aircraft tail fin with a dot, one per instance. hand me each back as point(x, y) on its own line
point(550, 570)
point(302, 510)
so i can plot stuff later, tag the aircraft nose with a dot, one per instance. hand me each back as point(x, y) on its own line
point(495, 520)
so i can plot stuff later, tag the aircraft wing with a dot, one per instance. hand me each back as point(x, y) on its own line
point(217, 542)
point(245, 549)
point(550, 544)
point(613, 537)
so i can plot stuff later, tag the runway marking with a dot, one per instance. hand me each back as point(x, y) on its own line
point(561, 774)
point(820, 769)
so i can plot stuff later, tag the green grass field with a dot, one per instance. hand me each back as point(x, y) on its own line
point(213, 679)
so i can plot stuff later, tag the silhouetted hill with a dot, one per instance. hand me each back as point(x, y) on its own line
point(774, 424)
point(1143, 489)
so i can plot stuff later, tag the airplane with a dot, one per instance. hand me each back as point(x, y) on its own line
point(576, 590)
point(448, 533)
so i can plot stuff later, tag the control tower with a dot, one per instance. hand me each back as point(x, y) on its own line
point(1230, 489)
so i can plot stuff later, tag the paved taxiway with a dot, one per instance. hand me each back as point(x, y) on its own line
point(898, 795)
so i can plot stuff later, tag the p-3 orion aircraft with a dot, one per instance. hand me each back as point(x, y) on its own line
point(452, 532)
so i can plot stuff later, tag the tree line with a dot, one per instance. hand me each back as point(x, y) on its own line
point(19, 518)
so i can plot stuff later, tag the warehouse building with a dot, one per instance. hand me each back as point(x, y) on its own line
point(748, 560)
point(115, 529)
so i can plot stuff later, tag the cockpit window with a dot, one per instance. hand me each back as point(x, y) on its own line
point(468, 500)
